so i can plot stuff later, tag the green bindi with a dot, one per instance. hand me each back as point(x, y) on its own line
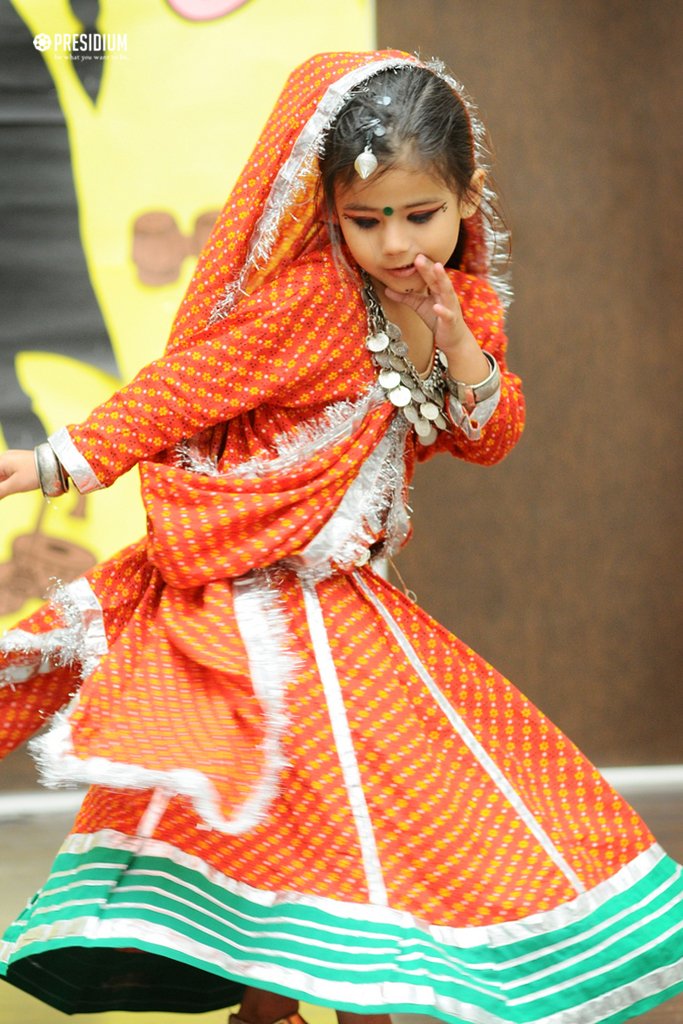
point(387, 211)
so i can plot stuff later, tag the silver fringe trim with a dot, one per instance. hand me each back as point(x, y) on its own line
point(336, 424)
point(373, 506)
point(291, 180)
point(339, 421)
point(397, 522)
point(263, 626)
point(80, 642)
point(189, 458)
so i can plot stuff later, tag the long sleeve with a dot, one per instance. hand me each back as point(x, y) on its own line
point(490, 440)
point(286, 340)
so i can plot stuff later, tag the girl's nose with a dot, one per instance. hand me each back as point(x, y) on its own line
point(394, 237)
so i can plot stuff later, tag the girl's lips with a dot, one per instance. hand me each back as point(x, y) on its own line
point(406, 271)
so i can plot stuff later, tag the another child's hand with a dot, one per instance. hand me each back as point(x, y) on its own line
point(438, 306)
point(17, 472)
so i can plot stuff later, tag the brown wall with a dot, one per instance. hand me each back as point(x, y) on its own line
point(563, 565)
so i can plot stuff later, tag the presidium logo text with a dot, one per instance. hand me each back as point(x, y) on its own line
point(83, 45)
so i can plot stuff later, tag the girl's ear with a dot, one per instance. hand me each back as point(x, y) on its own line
point(469, 203)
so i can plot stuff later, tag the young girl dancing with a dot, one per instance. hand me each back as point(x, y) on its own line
point(301, 786)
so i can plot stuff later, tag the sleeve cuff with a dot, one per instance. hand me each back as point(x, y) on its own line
point(472, 423)
point(78, 468)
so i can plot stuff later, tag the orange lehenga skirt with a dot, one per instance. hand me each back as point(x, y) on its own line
point(305, 783)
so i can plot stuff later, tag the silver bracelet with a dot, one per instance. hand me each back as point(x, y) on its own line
point(470, 395)
point(51, 474)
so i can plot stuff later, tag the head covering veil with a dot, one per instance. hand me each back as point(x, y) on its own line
point(272, 216)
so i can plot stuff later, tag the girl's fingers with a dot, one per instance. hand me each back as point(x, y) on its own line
point(433, 275)
point(437, 280)
point(7, 486)
point(17, 473)
point(423, 266)
point(439, 307)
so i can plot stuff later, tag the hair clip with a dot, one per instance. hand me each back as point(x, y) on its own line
point(365, 163)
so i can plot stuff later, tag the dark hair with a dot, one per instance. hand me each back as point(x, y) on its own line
point(424, 121)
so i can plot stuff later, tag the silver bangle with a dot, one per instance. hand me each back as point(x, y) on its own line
point(470, 395)
point(51, 474)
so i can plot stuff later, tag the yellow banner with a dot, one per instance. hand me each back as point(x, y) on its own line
point(162, 103)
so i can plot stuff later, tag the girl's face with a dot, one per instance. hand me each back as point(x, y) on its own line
point(388, 222)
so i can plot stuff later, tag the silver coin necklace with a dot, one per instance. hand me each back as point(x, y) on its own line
point(420, 400)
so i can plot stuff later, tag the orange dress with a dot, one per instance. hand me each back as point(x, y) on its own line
point(298, 779)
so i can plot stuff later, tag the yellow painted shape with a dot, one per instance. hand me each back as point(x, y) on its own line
point(177, 116)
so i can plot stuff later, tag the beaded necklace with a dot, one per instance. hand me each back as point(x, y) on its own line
point(420, 399)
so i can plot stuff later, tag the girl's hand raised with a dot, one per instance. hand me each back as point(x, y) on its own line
point(17, 472)
point(439, 308)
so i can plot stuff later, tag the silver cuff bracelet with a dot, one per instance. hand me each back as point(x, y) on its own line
point(471, 394)
point(51, 474)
